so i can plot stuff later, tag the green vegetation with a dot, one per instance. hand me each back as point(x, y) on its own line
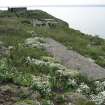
point(33, 67)
point(87, 45)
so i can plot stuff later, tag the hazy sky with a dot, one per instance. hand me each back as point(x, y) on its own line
point(49, 2)
point(89, 20)
point(86, 19)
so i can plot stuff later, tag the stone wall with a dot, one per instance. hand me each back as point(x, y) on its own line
point(17, 9)
point(44, 23)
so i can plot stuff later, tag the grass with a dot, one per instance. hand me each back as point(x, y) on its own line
point(15, 30)
point(86, 45)
point(18, 57)
point(16, 27)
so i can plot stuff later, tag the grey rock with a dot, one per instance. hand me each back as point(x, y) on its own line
point(74, 60)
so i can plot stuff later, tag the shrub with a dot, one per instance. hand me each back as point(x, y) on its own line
point(6, 73)
point(58, 82)
point(9, 73)
point(84, 89)
point(49, 59)
point(43, 89)
point(24, 79)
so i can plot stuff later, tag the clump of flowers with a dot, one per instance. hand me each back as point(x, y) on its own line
point(84, 89)
point(73, 83)
point(49, 59)
point(60, 76)
point(6, 73)
point(98, 99)
point(43, 79)
point(35, 42)
point(100, 86)
point(68, 72)
point(52, 63)
point(41, 84)
point(42, 88)
point(35, 61)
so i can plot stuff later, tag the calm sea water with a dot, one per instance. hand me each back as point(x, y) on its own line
point(90, 20)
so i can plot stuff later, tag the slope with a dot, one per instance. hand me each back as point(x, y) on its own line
point(30, 69)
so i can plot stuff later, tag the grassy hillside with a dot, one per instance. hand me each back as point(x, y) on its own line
point(34, 68)
point(87, 45)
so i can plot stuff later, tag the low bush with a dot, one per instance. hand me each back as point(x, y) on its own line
point(59, 83)
point(24, 79)
point(6, 73)
point(43, 89)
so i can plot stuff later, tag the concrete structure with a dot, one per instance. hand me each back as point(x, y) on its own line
point(44, 23)
point(51, 22)
point(37, 22)
point(17, 9)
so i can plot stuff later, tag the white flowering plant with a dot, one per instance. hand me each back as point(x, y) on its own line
point(100, 86)
point(35, 42)
point(84, 89)
point(6, 73)
point(42, 88)
point(49, 59)
point(99, 98)
point(41, 84)
point(59, 75)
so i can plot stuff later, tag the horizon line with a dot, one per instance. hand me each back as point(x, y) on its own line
point(93, 5)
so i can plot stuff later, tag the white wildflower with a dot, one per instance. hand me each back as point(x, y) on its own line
point(79, 90)
point(49, 59)
point(57, 65)
point(100, 86)
point(35, 42)
point(35, 61)
point(84, 89)
point(72, 82)
point(98, 99)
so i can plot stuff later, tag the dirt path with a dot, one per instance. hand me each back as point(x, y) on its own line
point(74, 60)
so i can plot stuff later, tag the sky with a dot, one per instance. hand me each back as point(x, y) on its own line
point(50, 2)
point(90, 20)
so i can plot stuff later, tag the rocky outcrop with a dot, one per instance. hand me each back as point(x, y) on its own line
point(74, 60)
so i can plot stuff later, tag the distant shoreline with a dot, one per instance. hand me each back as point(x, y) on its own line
point(100, 5)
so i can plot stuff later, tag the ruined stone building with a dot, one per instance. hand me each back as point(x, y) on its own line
point(44, 23)
point(48, 22)
point(17, 9)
